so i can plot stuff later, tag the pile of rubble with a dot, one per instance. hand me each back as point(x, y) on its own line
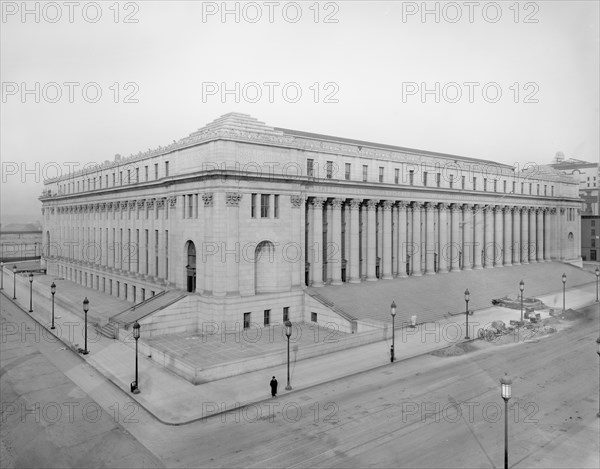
point(500, 334)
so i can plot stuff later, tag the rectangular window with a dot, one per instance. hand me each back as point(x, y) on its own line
point(128, 176)
point(411, 177)
point(530, 188)
point(146, 251)
point(593, 232)
point(78, 186)
point(552, 190)
point(310, 167)
point(545, 189)
point(593, 243)
point(247, 320)
point(267, 317)
point(424, 178)
point(522, 188)
point(381, 174)
point(137, 175)
point(365, 172)
point(474, 183)
point(125, 289)
point(396, 176)
point(514, 187)
point(253, 206)
point(313, 317)
point(264, 205)
point(438, 179)
point(156, 171)
point(462, 182)
point(276, 206)
point(329, 169)
point(143, 294)
point(118, 289)
point(137, 251)
point(145, 173)
point(190, 205)
point(484, 184)
point(347, 171)
point(134, 293)
point(166, 169)
point(451, 181)
point(114, 179)
point(120, 178)
point(538, 189)
point(593, 222)
point(286, 313)
point(196, 205)
point(100, 182)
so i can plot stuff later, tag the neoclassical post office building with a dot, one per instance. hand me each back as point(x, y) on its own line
point(243, 219)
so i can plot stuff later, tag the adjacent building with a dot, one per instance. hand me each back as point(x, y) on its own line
point(243, 217)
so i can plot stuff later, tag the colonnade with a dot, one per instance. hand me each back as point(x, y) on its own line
point(355, 240)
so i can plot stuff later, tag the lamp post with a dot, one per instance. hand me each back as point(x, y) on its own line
point(564, 281)
point(597, 277)
point(393, 313)
point(521, 287)
point(505, 383)
point(598, 351)
point(288, 334)
point(86, 307)
point(467, 296)
point(136, 335)
point(30, 292)
point(53, 291)
point(14, 282)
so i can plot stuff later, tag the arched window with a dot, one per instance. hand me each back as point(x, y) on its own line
point(190, 268)
point(265, 269)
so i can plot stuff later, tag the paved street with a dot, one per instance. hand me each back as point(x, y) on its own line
point(426, 412)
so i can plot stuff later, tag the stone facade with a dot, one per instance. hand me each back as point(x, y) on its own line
point(245, 216)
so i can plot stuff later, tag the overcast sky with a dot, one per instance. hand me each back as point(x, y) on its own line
point(507, 81)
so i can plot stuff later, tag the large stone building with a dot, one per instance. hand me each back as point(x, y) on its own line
point(244, 216)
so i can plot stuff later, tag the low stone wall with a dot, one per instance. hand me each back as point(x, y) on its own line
point(197, 375)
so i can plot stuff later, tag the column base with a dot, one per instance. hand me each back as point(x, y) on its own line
point(489, 267)
point(317, 284)
point(354, 280)
point(336, 282)
point(430, 273)
point(404, 275)
point(387, 277)
point(455, 269)
point(516, 263)
point(372, 279)
point(417, 274)
point(498, 265)
point(508, 264)
point(477, 267)
point(444, 271)
point(524, 263)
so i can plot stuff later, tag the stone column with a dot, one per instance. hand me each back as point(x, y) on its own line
point(317, 223)
point(488, 245)
point(415, 255)
point(444, 249)
point(532, 235)
point(336, 233)
point(455, 250)
point(507, 235)
point(547, 234)
point(371, 240)
point(525, 235)
point(387, 239)
point(232, 265)
point(354, 275)
point(540, 235)
point(516, 241)
point(429, 240)
point(467, 252)
point(479, 232)
point(498, 236)
point(394, 240)
point(402, 239)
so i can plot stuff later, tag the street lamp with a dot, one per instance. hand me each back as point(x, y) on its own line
point(505, 383)
point(521, 287)
point(53, 291)
point(31, 292)
point(393, 312)
point(136, 335)
point(288, 334)
point(564, 281)
point(598, 351)
point(467, 296)
point(86, 307)
point(597, 277)
point(14, 282)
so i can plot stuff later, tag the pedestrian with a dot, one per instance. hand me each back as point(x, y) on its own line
point(273, 387)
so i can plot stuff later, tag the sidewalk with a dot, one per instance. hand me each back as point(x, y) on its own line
point(175, 401)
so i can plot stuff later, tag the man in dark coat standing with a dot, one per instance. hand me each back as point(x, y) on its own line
point(273, 387)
